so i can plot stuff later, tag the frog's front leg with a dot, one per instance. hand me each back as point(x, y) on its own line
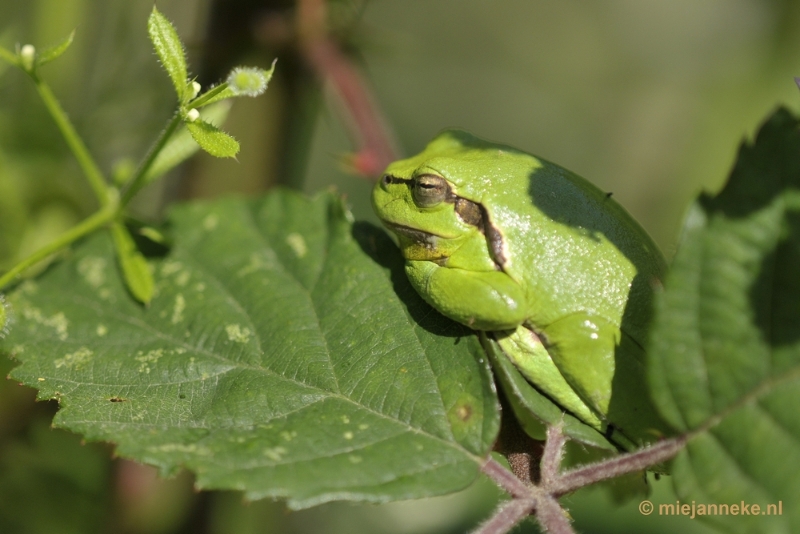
point(482, 300)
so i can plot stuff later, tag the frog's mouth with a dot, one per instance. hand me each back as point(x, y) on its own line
point(420, 236)
point(417, 244)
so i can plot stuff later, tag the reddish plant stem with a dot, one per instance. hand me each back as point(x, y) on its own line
point(375, 147)
point(507, 516)
point(505, 479)
point(617, 466)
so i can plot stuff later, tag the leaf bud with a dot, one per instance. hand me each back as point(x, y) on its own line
point(27, 54)
point(248, 81)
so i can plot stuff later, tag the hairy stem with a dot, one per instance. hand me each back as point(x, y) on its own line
point(507, 516)
point(505, 479)
point(363, 119)
point(552, 455)
point(139, 179)
point(87, 226)
point(76, 145)
point(617, 466)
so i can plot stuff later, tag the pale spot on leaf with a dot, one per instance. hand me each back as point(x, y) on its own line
point(183, 278)
point(93, 270)
point(257, 262)
point(57, 322)
point(191, 448)
point(275, 453)
point(75, 360)
point(238, 334)
point(211, 221)
point(102, 330)
point(298, 244)
point(146, 359)
point(170, 267)
point(177, 310)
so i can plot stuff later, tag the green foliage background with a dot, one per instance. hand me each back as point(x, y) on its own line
point(647, 99)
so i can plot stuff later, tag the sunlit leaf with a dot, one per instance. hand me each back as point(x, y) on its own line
point(284, 354)
point(725, 353)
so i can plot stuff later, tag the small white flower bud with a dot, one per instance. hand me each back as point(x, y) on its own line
point(195, 89)
point(27, 54)
point(192, 115)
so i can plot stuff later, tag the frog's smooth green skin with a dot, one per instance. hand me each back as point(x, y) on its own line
point(505, 242)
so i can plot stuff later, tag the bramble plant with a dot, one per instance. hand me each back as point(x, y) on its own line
point(279, 350)
point(168, 150)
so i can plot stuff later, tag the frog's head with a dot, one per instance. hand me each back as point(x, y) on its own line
point(420, 200)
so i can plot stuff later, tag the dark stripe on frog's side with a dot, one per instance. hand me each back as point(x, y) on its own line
point(475, 214)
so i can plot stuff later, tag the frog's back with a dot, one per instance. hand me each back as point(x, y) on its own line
point(571, 244)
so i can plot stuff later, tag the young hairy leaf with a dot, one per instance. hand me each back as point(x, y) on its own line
point(170, 51)
point(181, 146)
point(256, 82)
point(725, 349)
point(212, 139)
point(133, 264)
point(284, 354)
point(54, 52)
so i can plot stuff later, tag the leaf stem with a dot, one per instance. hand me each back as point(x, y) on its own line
point(619, 465)
point(85, 160)
point(507, 517)
point(207, 97)
point(100, 218)
point(505, 479)
point(139, 179)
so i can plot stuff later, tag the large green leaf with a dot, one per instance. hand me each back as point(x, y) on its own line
point(725, 354)
point(284, 354)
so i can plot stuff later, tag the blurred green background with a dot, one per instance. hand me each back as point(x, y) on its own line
point(646, 98)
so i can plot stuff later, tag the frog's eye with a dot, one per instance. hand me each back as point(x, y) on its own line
point(430, 190)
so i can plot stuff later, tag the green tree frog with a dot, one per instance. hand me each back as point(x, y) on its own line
point(543, 261)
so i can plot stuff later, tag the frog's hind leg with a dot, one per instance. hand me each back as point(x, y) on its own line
point(606, 369)
point(526, 351)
